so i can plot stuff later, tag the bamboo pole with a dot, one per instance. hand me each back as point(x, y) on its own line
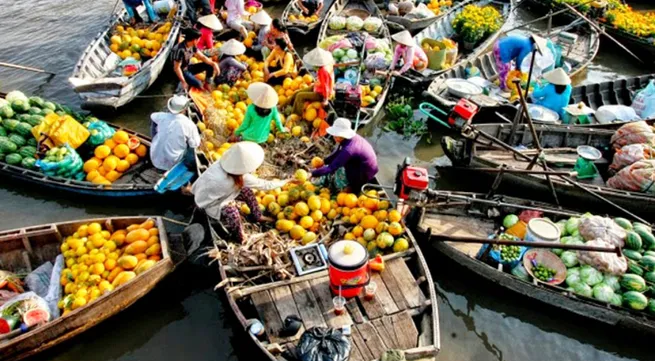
point(27, 68)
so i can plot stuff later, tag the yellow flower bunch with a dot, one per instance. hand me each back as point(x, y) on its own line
point(475, 22)
point(639, 24)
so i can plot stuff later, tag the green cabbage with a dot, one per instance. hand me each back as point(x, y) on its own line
point(617, 300)
point(354, 23)
point(590, 275)
point(612, 281)
point(569, 258)
point(603, 292)
point(338, 54)
point(337, 23)
point(12, 96)
point(573, 276)
point(372, 24)
point(572, 225)
point(583, 289)
point(562, 227)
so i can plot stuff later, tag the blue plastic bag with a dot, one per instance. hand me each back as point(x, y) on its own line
point(644, 102)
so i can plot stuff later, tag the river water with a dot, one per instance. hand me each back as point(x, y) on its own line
point(183, 318)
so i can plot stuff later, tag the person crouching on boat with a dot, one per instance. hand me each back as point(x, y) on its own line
point(133, 13)
point(256, 125)
point(514, 48)
point(279, 64)
point(353, 163)
point(236, 11)
point(173, 134)
point(411, 54)
point(310, 7)
point(229, 180)
point(555, 95)
point(262, 25)
point(185, 71)
point(323, 86)
point(278, 31)
point(207, 25)
point(231, 68)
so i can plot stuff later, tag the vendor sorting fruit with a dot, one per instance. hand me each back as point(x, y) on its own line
point(231, 68)
point(256, 124)
point(555, 95)
point(279, 63)
point(354, 157)
point(514, 48)
point(324, 86)
point(310, 7)
point(277, 31)
point(229, 180)
point(185, 71)
point(133, 13)
point(411, 54)
point(207, 25)
point(173, 134)
point(262, 25)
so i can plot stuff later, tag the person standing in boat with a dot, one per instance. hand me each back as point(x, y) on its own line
point(133, 13)
point(229, 180)
point(173, 134)
point(411, 54)
point(279, 64)
point(262, 25)
point(323, 86)
point(514, 48)
point(353, 163)
point(556, 94)
point(185, 71)
point(236, 11)
point(256, 124)
point(231, 68)
point(207, 25)
point(310, 7)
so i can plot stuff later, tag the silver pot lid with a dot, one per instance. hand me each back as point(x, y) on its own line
point(462, 88)
point(542, 114)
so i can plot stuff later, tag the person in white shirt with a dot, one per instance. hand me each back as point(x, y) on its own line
point(173, 134)
point(229, 180)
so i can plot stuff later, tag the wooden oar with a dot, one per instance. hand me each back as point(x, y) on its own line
point(27, 68)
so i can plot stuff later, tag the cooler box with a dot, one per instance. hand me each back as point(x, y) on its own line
point(347, 99)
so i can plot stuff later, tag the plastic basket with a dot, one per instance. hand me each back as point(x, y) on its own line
point(547, 258)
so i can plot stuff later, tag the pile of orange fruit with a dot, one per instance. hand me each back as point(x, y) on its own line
point(113, 158)
point(300, 18)
point(138, 43)
point(438, 5)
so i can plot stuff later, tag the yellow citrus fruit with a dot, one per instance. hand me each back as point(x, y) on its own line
point(110, 163)
point(301, 209)
point(394, 216)
point(102, 151)
point(94, 228)
point(122, 165)
point(306, 222)
point(121, 151)
point(132, 158)
point(141, 151)
point(91, 164)
point(121, 137)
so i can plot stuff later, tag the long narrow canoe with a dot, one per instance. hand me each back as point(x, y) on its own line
point(467, 215)
point(92, 78)
point(360, 7)
point(24, 249)
point(303, 28)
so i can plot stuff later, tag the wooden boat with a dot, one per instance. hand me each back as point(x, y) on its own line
point(442, 28)
point(578, 54)
point(563, 141)
point(92, 78)
point(413, 25)
point(303, 28)
point(468, 215)
point(363, 9)
point(25, 249)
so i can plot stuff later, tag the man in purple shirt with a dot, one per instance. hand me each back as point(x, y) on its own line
point(353, 153)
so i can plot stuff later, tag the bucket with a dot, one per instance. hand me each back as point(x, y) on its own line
point(162, 6)
point(348, 268)
point(543, 230)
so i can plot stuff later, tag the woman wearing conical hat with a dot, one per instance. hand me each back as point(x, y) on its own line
point(207, 25)
point(412, 55)
point(256, 124)
point(556, 94)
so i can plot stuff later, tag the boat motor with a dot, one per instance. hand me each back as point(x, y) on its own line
point(410, 179)
point(463, 113)
point(585, 166)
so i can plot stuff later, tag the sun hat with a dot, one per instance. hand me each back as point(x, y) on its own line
point(403, 37)
point(233, 47)
point(557, 77)
point(242, 158)
point(191, 34)
point(261, 18)
point(318, 57)
point(262, 95)
point(177, 104)
point(540, 43)
point(341, 128)
point(211, 21)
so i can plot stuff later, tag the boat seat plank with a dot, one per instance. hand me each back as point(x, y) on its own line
point(394, 290)
point(386, 331)
point(406, 281)
point(358, 342)
point(286, 306)
point(321, 290)
point(382, 304)
point(268, 313)
point(307, 305)
point(372, 339)
point(355, 355)
point(406, 332)
point(354, 311)
point(459, 226)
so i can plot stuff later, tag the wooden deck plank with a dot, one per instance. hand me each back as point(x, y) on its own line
point(394, 290)
point(354, 311)
point(267, 312)
point(308, 307)
point(388, 335)
point(286, 306)
point(355, 355)
point(383, 296)
point(372, 339)
point(387, 322)
point(406, 331)
point(458, 226)
point(321, 290)
point(358, 341)
point(406, 281)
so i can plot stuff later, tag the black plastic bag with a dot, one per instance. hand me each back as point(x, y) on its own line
point(323, 344)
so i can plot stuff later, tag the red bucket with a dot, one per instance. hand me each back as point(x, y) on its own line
point(348, 269)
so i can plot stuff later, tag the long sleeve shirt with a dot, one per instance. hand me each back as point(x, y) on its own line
point(235, 10)
point(256, 128)
point(357, 157)
point(261, 38)
point(514, 47)
point(214, 189)
point(206, 39)
point(175, 133)
point(130, 6)
point(546, 96)
point(230, 62)
point(410, 55)
point(284, 60)
point(325, 82)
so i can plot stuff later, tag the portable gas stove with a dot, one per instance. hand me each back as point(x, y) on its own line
point(309, 259)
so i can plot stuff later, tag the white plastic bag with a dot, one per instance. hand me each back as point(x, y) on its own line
point(603, 261)
point(610, 113)
point(644, 103)
point(603, 228)
point(542, 63)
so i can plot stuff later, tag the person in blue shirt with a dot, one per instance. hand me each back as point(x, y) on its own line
point(556, 94)
point(516, 48)
point(133, 14)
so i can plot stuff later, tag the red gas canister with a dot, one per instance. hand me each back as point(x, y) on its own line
point(348, 268)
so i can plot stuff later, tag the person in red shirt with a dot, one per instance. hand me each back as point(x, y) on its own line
point(207, 25)
point(324, 81)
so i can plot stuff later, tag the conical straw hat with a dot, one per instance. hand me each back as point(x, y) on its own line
point(211, 21)
point(403, 37)
point(233, 47)
point(540, 43)
point(557, 77)
point(318, 57)
point(261, 18)
point(262, 95)
point(242, 158)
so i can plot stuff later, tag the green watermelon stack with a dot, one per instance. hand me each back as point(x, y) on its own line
point(18, 114)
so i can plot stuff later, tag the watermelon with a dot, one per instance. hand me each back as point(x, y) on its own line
point(6, 112)
point(18, 140)
point(651, 306)
point(632, 254)
point(633, 283)
point(13, 158)
point(649, 253)
point(23, 129)
point(633, 240)
point(31, 141)
point(510, 220)
point(8, 323)
point(639, 224)
point(3, 132)
point(49, 105)
point(23, 117)
point(623, 223)
point(10, 124)
point(648, 262)
point(635, 300)
point(34, 111)
point(28, 162)
point(36, 316)
point(20, 106)
point(650, 276)
point(646, 236)
point(34, 120)
point(36, 102)
point(27, 151)
point(7, 146)
point(47, 111)
point(635, 268)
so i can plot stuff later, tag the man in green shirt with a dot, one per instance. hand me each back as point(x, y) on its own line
point(256, 124)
